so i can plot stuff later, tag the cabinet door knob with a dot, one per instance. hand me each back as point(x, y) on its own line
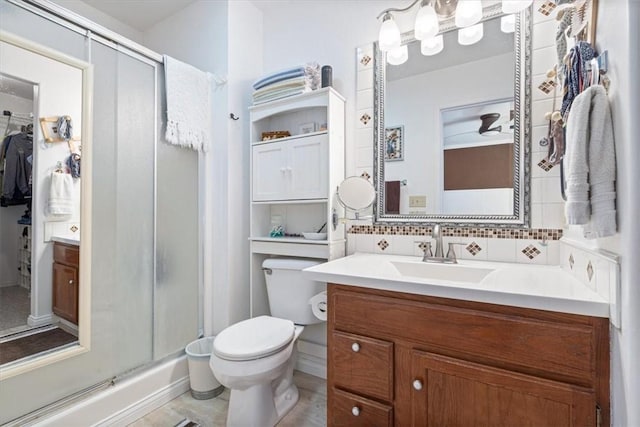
point(71, 282)
point(283, 170)
point(355, 347)
point(355, 411)
point(417, 384)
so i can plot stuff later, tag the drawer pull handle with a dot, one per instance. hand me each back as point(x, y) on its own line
point(355, 347)
point(355, 411)
point(417, 384)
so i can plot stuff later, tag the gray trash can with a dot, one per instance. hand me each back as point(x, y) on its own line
point(203, 384)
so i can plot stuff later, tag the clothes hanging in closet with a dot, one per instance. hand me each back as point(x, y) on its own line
point(16, 156)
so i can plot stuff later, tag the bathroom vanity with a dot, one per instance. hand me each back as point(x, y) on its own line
point(417, 357)
point(66, 263)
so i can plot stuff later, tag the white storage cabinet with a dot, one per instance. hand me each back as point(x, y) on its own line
point(294, 179)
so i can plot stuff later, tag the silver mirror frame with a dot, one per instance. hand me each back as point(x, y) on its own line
point(522, 136)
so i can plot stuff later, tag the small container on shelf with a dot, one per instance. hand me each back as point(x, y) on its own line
point(275, 134)
point(277, 227)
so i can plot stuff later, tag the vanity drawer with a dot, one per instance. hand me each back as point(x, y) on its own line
point(350, 410)
point(66, 254)
point(530, 343)
point(362, 364)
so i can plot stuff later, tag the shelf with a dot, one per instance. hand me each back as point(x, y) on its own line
point(290, 202)
point(304, 100)
point(289, 138)
point(289, 240)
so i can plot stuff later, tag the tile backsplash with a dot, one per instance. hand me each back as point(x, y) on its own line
point(483, 244)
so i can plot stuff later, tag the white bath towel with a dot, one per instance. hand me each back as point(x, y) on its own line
point(188, 105)
point(60, 195)
point(590, 164)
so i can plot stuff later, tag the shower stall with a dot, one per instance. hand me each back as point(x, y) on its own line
point(145, 260)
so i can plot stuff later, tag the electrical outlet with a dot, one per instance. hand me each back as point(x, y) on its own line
point(417, 201)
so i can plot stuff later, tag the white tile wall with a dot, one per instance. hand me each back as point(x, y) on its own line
point(605, 277)
point(547, 207)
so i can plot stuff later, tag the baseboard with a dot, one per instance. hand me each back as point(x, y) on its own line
point(36, 321)
point(129, 400)
point(147, 405)
point(312, 359)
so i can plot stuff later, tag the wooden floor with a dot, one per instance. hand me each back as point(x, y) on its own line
point(310, 411)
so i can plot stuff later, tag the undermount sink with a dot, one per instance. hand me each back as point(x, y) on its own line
point(450, 272)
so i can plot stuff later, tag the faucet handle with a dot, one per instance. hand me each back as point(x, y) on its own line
point(451, 253)
point(426, 249)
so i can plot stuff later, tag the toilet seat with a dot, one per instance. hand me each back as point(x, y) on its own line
point(254, 338)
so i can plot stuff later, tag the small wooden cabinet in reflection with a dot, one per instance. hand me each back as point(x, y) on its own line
point(65, 281)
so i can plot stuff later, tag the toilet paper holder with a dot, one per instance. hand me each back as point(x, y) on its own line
point(319, 305)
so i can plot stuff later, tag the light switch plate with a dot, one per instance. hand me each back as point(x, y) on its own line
point(417, 201)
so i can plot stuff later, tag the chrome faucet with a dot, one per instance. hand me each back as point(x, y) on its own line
point(439, 251)
point(435, 234)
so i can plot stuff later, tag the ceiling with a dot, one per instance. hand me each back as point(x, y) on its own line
point(139, 14)
point(15, 87)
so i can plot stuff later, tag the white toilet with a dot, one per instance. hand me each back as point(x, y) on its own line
point(255, 358)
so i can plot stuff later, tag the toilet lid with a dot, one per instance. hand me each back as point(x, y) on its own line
point(253, 338)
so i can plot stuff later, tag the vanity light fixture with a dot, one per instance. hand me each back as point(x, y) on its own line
point(466, 14)
point(508, 23)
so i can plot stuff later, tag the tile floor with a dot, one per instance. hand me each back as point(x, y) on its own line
point(310, 411)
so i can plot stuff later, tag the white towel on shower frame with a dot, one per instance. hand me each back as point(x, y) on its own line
point(188, 105)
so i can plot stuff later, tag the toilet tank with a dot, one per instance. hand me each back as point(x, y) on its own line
point(289, 292)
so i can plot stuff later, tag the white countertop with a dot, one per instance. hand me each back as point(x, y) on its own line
point(69, 240)
point(520, 285)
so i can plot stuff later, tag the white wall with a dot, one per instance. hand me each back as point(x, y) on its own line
point(416, 103)
point(618, 32)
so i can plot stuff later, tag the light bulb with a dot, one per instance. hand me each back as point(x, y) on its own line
point(470, 35)
point(389, 37)
point(468, 12)
point(427, 24)
point(508, 23)
point(515, 6)
point(398, 55)
point(432, 45)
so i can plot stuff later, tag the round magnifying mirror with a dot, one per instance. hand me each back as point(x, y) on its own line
point(356, 193)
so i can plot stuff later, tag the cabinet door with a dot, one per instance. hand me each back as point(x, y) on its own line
point(65, 292)
point(270, 173)
point(308, 168)
point(453, 392)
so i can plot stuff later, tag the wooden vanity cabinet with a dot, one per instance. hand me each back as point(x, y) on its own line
point(403, 359)
point(66, 261)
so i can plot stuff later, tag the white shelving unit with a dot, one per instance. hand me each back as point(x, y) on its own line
point(295, 178)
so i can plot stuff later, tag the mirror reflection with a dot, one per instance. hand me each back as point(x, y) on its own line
point(41, 100)
point(451, 152)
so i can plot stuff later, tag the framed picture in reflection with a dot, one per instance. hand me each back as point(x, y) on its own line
point(394, 143)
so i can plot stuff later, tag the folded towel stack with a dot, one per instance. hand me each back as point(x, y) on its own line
point(285, 83)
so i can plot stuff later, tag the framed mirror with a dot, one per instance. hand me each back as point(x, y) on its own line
point(46, 102)
point(452, 130)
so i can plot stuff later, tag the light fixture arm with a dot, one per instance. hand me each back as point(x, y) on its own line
point(395, 9)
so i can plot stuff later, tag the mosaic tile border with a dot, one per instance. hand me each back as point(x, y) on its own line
point(490, 233)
